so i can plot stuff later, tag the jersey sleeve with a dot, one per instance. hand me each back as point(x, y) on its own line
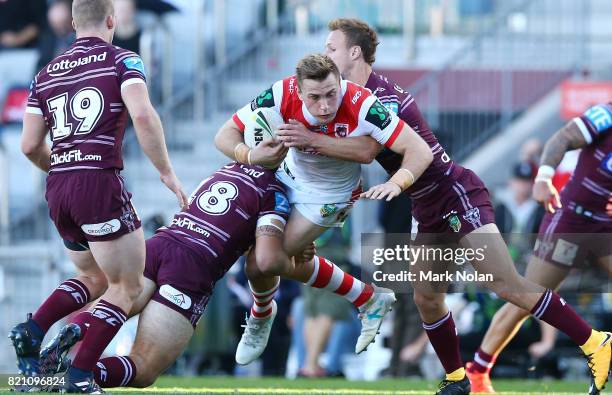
point(33, 104)
point(385, 125)
point(271, 98)
point(130, 69)
point(595, 121)
point(275, 207)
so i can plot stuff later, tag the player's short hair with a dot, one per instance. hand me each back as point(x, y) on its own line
point(357, 33)
point(91, 13)
point(315, 67)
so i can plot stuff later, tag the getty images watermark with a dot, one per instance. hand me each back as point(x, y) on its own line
point(411, 255)
point(439, 263)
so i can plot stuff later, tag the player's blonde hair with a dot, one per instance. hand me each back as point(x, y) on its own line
point(91, 13)
point(357, 33)
point(315, 67)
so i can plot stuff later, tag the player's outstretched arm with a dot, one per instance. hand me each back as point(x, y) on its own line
point(417, 157)
point(230, 141)
point(33, 143)
point(150, 134)
point(361, 149)
point(567, 138)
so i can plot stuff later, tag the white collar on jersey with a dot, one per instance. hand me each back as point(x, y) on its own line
point(310, 118)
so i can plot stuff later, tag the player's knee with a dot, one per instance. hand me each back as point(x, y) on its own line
point(514, 312)
point(143, 380)
point(273, 263)
point(131, 288)
point(429, 302)
point(145, 373)
point(98, 284)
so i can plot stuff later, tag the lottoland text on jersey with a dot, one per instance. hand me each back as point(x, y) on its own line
point(445, 263)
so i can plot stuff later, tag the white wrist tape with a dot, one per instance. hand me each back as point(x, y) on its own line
point(545, 173)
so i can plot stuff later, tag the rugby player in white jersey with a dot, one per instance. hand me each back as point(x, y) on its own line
point(321, 189)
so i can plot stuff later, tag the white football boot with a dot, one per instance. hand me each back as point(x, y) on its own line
point(255, 337)
point(372, 315)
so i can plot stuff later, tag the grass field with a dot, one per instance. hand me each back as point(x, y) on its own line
point(231, 385)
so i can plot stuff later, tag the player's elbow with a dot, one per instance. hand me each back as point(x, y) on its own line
point(29, 148)
point(144, 118)
point(368, 155)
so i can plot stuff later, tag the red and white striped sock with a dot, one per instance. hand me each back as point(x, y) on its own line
point(327, 275)
point(262, 302)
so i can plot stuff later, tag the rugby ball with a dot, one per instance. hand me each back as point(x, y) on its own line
point(261, 125)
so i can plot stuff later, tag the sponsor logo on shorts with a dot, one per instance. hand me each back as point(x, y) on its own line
point(175, 296)
point(453, 221)
point(129, 217)
point(65, 66)
point(103, 228)
point(74, 155)
point(328, 209)
point(186, 223)
point(543, 248)
point(565, 252)
point(341, 129)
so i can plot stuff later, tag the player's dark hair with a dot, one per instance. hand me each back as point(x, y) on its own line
point(357, 33)
point(91, 13)
point(315, 67)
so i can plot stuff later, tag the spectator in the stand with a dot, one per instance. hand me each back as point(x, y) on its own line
point(21, 22)
point(59, 34)
point(515, 210)
point(128, 32)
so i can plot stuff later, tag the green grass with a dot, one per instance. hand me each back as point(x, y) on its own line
point(231, 385)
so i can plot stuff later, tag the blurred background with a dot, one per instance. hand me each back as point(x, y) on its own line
point(494, 79)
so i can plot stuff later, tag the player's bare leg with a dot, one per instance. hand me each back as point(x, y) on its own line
point(70, 296)
point(318, 272)
point(316, 333)
point(439, 326)
point(161, 337)
point(507, 322)
point(258, 324)
point(122, 261)
point(542, 303)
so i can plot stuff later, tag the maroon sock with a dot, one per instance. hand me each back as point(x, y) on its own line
point(483, 362)
point(106, 320)
point(114, 372)
point(443, 337)
point(70, 296)
point(82, 320)
point(553, 310)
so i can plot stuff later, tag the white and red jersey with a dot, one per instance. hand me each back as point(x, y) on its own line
point(319, 178)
